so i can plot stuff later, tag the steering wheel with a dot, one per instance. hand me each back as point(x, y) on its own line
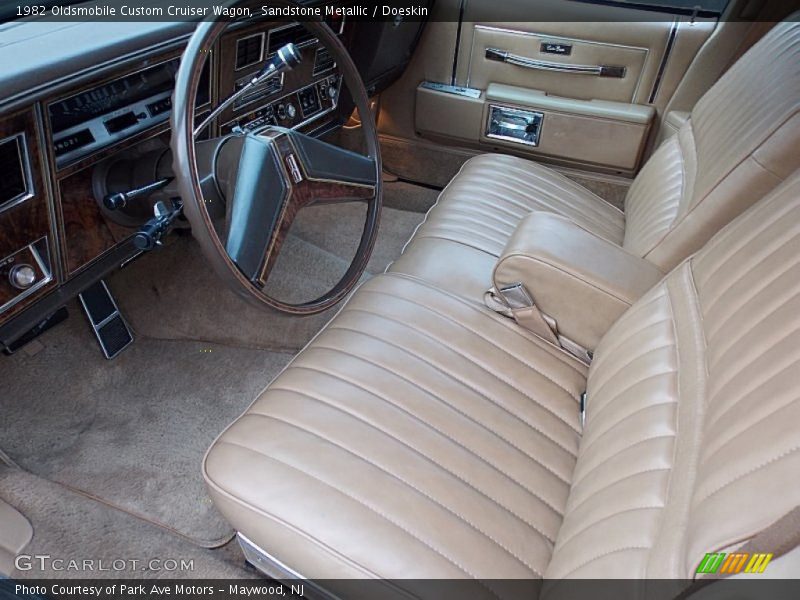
point(263, 180)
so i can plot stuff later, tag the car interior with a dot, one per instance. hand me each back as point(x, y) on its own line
point(506, 292)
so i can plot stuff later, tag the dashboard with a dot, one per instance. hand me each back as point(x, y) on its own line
point(62, 144)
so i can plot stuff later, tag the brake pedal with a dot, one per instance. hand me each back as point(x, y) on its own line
point(106, 319)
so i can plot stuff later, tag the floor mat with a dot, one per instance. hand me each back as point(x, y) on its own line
point(132, 431)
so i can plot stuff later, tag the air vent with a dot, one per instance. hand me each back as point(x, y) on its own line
point(249, 51)
point(295, 34)
point(323, 61)
point(266, 88)
point(14, 172)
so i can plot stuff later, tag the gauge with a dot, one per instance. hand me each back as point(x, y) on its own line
point(112, 96)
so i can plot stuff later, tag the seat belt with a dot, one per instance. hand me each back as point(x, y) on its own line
point(777, 539)
point(516, 302)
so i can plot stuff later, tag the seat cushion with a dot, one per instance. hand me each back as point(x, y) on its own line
point(418, 436)
point(465, 232)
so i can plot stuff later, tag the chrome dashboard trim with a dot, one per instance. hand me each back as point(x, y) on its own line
point(48, 274)
point(25, 161)
point(102, 142)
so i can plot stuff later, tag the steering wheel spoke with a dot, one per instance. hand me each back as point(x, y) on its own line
point(280, 172)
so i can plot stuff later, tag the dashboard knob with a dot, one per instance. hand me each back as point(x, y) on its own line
point(280, 111)
point(291, 111)
point(332, 92)
point(22, 276)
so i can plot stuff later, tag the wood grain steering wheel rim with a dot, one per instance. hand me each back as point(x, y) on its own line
point(309, 190)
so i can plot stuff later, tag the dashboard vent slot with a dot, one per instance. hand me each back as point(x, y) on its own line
point(270, 86)
point(296, 34)
point(249, 51)
point(323, 61)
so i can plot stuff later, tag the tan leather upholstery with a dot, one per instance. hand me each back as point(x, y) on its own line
point(415, 418)
point(421, 435)
point(739, 143)
point(577, 278)
point(692, 431)
point(485, 202)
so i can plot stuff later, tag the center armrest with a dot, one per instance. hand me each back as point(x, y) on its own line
point(578, 279)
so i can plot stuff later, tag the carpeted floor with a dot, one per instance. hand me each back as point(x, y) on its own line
point(112, 449)
point(70, 526)
point(130, 431)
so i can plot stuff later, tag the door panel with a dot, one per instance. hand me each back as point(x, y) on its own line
point(651, 50)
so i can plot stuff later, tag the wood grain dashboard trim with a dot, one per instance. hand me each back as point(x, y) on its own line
point(27, 221)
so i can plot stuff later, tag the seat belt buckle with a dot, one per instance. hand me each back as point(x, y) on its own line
point(516, 302)
point(516, 296)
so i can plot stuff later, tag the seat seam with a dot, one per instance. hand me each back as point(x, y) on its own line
point(604, 554)
point(614, 374)
point(453, 376)
point(447, 470)
point(423, 234)
point(573, 509)
point(564, 357)
point(629, 335)
point(594, 441)
point(440, 400)
point(467, 357)
point(539, 183)
point(628, 387)
point(294, 529)
point(639, 410)
point(607, 459)
point(751, 424)
point(412, 486)
point(365, 505)
point(580, 532)
point(432, 394)
point(748, 472)
point(512, 414)
point(475, 332)
point(742, 333)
